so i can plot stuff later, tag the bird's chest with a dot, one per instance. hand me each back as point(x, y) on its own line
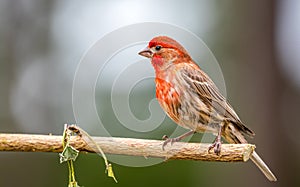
point(168, 97)
point(165, 91)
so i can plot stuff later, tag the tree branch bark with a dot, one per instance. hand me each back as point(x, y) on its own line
point(127, 146)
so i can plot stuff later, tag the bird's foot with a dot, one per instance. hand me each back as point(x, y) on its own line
point(169, 140)
point(217, 143)
point(177, 139)
point(217, 147)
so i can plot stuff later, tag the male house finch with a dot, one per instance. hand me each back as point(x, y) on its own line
point(192, 100)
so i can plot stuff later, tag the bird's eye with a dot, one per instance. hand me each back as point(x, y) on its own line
point(157, 48)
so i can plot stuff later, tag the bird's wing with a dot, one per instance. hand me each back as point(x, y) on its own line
point(210, 94)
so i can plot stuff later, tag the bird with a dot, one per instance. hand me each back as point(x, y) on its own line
point(192, 100)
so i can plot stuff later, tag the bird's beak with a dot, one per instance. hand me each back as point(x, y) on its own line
point(146, 53)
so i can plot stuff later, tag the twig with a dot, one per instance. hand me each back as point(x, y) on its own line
point(127, 146)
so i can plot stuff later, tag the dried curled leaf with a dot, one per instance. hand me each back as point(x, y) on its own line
point(69, 153)
point(89, 140)
point(110, 172)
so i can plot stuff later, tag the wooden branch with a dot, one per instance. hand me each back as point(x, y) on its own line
point(127, 146)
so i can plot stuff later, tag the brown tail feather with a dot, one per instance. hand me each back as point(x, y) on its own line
point(262, 166)
point(232, 135)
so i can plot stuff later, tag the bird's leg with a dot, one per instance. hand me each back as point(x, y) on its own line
point(177, 139)
point(217, 143)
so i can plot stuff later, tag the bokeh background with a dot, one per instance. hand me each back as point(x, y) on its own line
point(256, 43)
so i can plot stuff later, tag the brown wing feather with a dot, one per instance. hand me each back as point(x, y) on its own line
point(210, 94)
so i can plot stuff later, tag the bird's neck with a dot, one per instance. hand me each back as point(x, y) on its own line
point(162, 66)
point(158, 63)
point(162, 73)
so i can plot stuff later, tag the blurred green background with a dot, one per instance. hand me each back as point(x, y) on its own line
point(256, 42)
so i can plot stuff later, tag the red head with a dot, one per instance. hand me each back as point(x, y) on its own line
point(163, 52)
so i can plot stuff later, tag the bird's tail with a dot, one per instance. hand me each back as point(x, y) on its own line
point(232, 135)
point(262, 166)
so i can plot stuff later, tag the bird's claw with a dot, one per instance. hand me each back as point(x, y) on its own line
point(165, 137)
point(217, 147)
point(168, 140)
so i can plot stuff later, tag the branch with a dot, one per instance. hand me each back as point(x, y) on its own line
point(127, 146)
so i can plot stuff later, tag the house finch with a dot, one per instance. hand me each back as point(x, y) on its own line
point(192, 100)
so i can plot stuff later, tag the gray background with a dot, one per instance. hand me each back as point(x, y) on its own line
point(255, 42)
